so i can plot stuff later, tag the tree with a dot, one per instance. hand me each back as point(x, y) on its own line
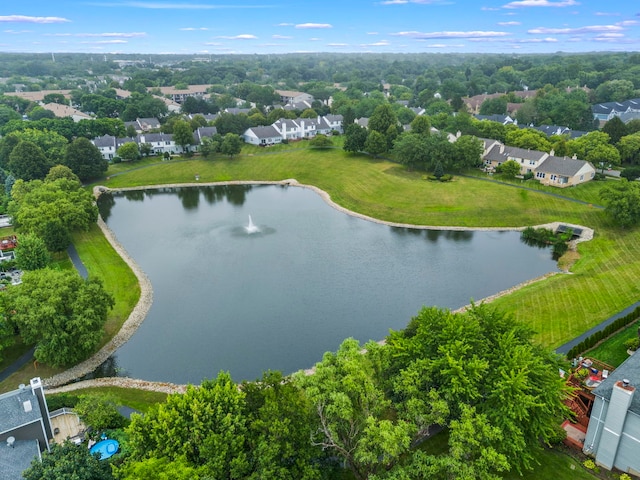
point(351, 412)
point(145, 149)
point(629, 148)
point(411, 150)
point(52, 209)
point(183, 135)
point(616, 129)
point(467, 153)
point(309, 113)
point(603, 156)
point(356, 136)
point(27, 161)
point(129, 151)
point(480, 359)
point(68, 461)
point(421, 125)
point(100, 412)
point(61, 171)
point(55, 98)
point(384, 121)
point(529, 139)
point(438, 170)
point(622, 202)
point(509, 169)
point(376, 143)
point(210, 145)
point(581, 146)
point(205, 425)
point(631, 173)
point(160, 469)
point(321, 141)
point(32, 253)
point(494, 106)
point(61, 313)
point(231, 144)
point(85, 159)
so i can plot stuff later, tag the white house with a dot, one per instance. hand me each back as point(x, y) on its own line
point(262, 136)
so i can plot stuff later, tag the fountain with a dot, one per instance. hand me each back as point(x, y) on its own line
point(251, 228)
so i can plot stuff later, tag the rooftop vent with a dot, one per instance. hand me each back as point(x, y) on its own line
point(10, 441)
point(27, 406)
point(625, 382)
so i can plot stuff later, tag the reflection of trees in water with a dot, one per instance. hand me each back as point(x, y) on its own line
point(134, 195)
point(109, 368)
point(234, 194)
point(105, 203)
point(190, 197)
point(434, 235)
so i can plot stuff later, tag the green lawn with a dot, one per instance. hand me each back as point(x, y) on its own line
point(603, 281)
point(140, 400)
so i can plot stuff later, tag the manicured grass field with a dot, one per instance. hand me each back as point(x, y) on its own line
point(140, 400)
point(602, 281)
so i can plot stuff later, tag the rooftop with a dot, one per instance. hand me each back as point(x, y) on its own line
point(14, 460)
point(629, 370)
point(18, 407)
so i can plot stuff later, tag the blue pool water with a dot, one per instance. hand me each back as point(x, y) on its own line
point(107, 448)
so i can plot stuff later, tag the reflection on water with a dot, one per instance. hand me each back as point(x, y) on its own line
point(434, 235)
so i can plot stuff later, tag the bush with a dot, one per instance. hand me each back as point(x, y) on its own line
point(589, 464)
point(600, 176)
point(446, 177)
point(528, 176)
point(632, 344)
point(116, 159)
point(62, 400)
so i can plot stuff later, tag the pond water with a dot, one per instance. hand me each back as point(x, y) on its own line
point(243, 300)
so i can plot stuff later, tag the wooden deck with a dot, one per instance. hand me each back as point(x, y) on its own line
point(67, 425)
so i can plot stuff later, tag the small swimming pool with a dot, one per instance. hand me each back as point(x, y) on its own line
point(106, 448)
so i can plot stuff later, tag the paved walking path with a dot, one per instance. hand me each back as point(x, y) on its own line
point(75, 259)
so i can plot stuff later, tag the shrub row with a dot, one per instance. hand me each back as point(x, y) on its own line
point(606, 332)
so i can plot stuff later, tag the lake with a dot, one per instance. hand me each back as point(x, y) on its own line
point(278, 298)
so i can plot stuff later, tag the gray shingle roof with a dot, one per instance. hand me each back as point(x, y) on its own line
point(630, 370)
point(105, 141)
point(265, 132)
point(566, 167)
point(12, 410)
point(13, 461)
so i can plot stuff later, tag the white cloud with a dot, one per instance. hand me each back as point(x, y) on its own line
point(628, 23)
point(489, 9)
point(282, 37)
point(193, 29)
point(373, 33)
point(28, 19)
point(443, 45)
point(337, 45)
point(606, 14)
point(471, 34)
point(242, 36)
point(508, 24)
point(540, 3)
point(314, 39)
point(285, 25)
point(18, 32)
point(98, 35)
point(314, 25)
point(381, 43)
point(538, 40)
point(577, 30)
point(403, 2)
point(105, 42)
point(213, 44)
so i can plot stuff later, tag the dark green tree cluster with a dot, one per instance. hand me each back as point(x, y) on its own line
point(477, 375)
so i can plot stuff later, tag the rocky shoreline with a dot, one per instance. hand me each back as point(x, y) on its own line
point(62, 382)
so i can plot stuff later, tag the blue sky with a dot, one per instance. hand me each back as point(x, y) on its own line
point(284, 26)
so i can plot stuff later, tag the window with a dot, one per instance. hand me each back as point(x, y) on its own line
point(540, 175)
point(554, 177)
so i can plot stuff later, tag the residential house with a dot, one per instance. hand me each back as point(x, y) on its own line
point(160, 143)
point(547, 168)
point(564, 172)
point(603, 112)
point(503, 119)
point(179, 95)
point(288, 96)
point(613, 434)
point(303, 105)
point(498, 153)
point(237, 110)
point(550, 130)
point(204, 132)
point(474, 103)
point(143, 125)
point(39, 96)
point(25, 428)
point(107, 144)
point(290, 129)
point(262, 136)
point(334, 122)
point(62, 111)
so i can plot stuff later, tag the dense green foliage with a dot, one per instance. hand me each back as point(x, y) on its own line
point(477, 374)
point(68, 461)
point(52, 209)
point(60, 313)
